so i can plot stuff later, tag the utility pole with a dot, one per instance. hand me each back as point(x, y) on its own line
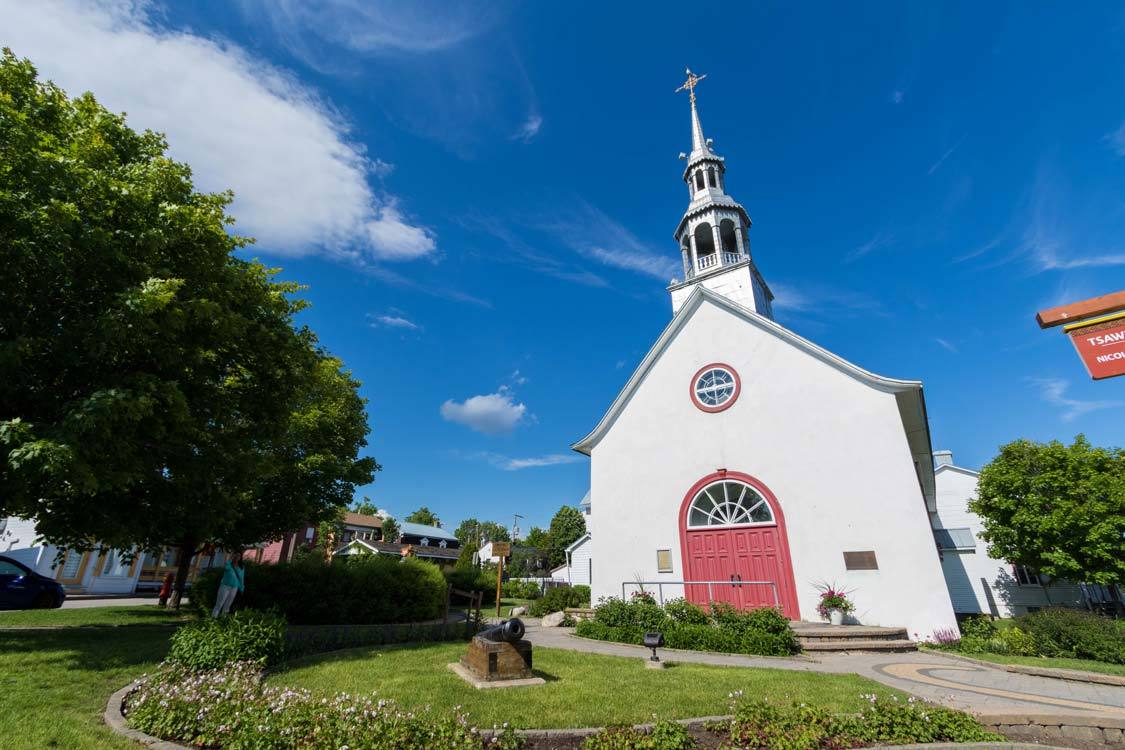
point(516, 526)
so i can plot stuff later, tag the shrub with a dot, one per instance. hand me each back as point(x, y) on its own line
point(1074, 633)
point(559, 598)
point(472, 578)
point(978, 626)
point(760, 724)
point(686, 626)
point(363, 589)
point(246, 636)
point(686, 613)
point(665, 735)
point(232, 709)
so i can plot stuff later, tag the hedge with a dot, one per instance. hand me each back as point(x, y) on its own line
point(363, 589)
point(1075, 633)
point(763, 631)
point(559, 598)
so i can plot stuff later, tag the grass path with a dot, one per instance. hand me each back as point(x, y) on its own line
point(581, 690)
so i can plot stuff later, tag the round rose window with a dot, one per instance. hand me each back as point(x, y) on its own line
point(715, 387)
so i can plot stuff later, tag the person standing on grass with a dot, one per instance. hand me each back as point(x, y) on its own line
point(234, 581)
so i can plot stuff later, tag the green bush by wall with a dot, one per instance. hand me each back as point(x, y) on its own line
point(362, 589)
point(763, 631)
point(245, 636)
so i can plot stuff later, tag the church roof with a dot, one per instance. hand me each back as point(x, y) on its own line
point(908, 393)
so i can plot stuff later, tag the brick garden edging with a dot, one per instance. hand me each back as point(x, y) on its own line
point(1028, 732)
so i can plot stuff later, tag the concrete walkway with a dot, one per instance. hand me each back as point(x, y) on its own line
point(980, 689)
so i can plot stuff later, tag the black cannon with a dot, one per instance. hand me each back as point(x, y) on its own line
point(508, 631)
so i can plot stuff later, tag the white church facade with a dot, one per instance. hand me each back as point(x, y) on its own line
point(744, 463)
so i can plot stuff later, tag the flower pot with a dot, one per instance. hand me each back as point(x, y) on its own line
point(836, 616)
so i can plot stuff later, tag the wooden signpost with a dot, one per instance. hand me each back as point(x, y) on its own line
point(501, 550)
point(1097, 329)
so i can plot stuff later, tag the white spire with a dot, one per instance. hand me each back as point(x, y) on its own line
point(699, 145)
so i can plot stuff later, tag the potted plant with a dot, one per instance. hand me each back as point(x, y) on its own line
point(834, 604)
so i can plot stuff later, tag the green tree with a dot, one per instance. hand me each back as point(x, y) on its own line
point(365, 506)
point(390, 531)
point(154, 391)
point(1059, 509)
point(473, 530)
point(536, 537)
point(566, 526)
point(424, 516)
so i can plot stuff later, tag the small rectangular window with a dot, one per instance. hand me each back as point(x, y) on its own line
point(1026, 576)
point(956, 539)
point(663, 561)
point(860, 560)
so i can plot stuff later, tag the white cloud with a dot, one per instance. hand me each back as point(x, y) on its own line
point(374, 26)
point(812, 299)
point(590, 232)
point(1053, 391)
point(880, 240)
point(301, 183)
point(507, 463)
point(518, 378)
point(529, 129)
point(946, 155)
point(393, 319)
point(491, 414)
point(946, 345)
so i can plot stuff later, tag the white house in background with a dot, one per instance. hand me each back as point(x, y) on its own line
point(579, 566)
point(978, 583)
point(81, 572)
point(742, 454)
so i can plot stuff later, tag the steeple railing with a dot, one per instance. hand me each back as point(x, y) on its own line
point(712, 260)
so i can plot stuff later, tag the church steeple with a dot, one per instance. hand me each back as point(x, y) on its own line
point(713, 233)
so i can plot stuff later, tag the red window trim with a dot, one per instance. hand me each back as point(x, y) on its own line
point(726, 404)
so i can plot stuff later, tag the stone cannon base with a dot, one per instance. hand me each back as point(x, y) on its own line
point(497, 660)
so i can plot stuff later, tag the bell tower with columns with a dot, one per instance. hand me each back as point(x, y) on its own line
point(714, 233)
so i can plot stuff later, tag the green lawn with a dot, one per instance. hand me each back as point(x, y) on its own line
point(1085, 665)
point(145, 614)
point(581, 690)
point(55, 683)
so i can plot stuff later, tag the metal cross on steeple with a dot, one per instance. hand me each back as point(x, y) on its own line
point(690, 84)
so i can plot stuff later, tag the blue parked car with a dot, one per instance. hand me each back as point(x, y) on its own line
point(23, 588)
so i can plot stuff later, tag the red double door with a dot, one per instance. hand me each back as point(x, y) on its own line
point(743, 561)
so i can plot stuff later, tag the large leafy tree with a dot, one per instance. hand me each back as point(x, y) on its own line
point(424, 516)
point(472, 530)
point(1057, 508)
point(566, 526)
point(154, 390)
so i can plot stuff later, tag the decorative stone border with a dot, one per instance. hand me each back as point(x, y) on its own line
point(1028, 732)
point(1081, 731)
point(1074, 675)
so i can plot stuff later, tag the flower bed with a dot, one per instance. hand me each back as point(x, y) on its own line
point(231, 709)
point(763, 631)
point(761, 725)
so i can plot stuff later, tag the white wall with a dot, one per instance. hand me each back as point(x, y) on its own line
point(832, 449)
point(977, 582)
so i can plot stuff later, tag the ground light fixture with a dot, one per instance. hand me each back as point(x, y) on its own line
point(654, 640)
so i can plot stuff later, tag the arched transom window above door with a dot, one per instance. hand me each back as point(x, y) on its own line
point(728, 503)
point(715, 387)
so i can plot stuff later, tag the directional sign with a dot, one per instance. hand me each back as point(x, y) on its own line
point(1100, 342)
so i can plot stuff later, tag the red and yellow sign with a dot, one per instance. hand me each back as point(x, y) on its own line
point(1100, 343)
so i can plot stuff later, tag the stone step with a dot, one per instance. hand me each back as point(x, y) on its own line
point(841, 635)
point(857, 645)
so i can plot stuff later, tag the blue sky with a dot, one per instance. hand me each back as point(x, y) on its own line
point(481, 196)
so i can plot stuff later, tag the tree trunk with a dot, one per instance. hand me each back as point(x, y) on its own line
point(183, 565)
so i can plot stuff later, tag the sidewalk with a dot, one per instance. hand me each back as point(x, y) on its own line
point(934, 677)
